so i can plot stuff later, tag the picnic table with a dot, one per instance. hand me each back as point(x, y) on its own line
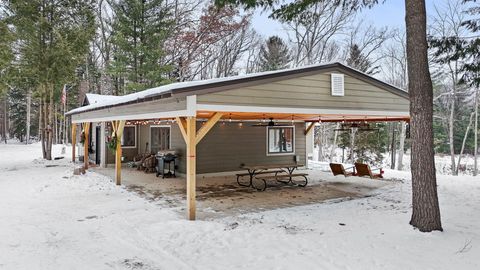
point(281, 172)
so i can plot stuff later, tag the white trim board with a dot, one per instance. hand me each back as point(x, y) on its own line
point(287, 110)
point(169, 114)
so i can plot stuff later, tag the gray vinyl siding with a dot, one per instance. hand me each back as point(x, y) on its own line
point(228, 146)
point(225, 147)
point(313, 91)
point(131, 110)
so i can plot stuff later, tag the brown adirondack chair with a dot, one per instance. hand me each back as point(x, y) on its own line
point(365, 170)
point(337, 169)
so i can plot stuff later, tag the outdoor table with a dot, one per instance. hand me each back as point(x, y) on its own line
point(256, 169)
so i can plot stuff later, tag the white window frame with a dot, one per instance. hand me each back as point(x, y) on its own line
point(150, 135)
point(284, 153)
point(136, 137)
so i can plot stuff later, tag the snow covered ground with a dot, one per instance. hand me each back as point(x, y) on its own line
point(50, 219)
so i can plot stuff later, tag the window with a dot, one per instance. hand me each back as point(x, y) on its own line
point(280, 140)
point(129, 138)
point(338, 86)
point(159, 138)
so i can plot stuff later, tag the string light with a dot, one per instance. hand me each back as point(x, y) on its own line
point(230, 119)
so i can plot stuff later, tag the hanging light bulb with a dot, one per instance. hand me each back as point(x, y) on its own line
point(292, 119)
point(230, 119)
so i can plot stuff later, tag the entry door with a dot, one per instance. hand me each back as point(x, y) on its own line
point(159, 138)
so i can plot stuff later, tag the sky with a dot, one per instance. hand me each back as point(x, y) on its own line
point(391, 14)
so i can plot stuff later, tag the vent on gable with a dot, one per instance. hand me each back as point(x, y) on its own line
point(338, 88)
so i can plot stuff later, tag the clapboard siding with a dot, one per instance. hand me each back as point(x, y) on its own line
point(129, 111)
point(310, 92)
point(229, 145)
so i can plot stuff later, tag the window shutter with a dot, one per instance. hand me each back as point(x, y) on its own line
point(338, 88)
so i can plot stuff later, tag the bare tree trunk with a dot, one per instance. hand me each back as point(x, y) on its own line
point(29, 105)
point(334, 146)
point(425, 206)
point(475, 147)
point(50, 125)
point(352, 145)
point(41, 126)
point(320, 142)
point(392, 147)
point(55, 124)
point(5, 120)
point(401, 149)
point(450, 135)
point(464, 141)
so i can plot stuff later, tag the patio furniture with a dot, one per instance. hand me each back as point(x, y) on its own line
point(149, 164)
point(162, 161)
point(275, 169)
point(338, 169)
point(365, 170)
point(250, 175)
point(138, 159)
point(284, 178)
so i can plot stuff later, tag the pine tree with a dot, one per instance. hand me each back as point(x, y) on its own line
point(274, 54)
point(17, 99)
point(357, 60)
point(53, 39)
point(140, 29)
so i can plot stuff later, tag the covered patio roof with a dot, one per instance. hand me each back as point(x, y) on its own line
point(187, 99)
point(320, 93)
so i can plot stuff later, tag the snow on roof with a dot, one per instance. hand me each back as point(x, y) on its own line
point(96, 98)
point(105, 101)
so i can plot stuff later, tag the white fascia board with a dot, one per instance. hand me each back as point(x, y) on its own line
point(287, 110)
point(169, 114)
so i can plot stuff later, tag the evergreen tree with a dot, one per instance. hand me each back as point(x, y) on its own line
point(53, 37)
point(17, 99)
point(274, 54)
point(357, 60)
point(140, 29)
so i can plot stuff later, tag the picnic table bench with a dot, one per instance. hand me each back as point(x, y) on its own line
point(280, 172)
point(285, 179)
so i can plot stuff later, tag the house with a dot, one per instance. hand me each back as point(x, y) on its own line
point(219, 124)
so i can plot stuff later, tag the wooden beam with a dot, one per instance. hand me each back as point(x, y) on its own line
point(309, 128)
point(119, 125)
point(74, 141)
point(191, 166)
point(86, 132)
point(207, 126)
point(182, 124)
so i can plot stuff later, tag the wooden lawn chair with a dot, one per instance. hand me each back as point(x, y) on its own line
point(365, 170)
point(337, 169)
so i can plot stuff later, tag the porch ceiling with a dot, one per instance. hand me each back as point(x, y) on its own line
point(246, 116)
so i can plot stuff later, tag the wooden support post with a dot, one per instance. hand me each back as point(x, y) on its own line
point(86, 132)
point(191, 166)
point(182, 124)
point(74, 141)
point(118, 129)
point(309, 128)
point(188, 127)
point(207, 126)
